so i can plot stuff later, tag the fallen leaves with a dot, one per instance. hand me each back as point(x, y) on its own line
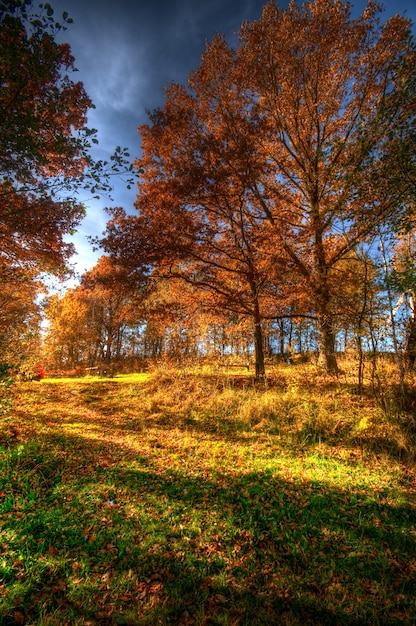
point(203, 523)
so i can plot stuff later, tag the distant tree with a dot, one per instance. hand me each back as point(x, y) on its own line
point(358, 304)
point(68, 341)
point(114, 305)
point(180, 324)
point(20, 317)
point(95, 321)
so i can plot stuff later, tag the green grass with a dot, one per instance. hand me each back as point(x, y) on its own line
point(190, 499)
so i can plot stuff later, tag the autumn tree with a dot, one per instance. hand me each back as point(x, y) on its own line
point(45, 153)
point(68, 341)
point(179, 325)
point(20, 317)
point(44, 139)
point(95, 321)
point(114, 303)
point(220, 264)
point(41, 110)
point(358, 305)
point(327, 92)
point(212, 239)
point(305, 134)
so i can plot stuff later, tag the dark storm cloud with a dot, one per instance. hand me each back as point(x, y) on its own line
point(127, 51)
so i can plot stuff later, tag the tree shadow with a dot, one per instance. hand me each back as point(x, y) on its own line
point(183, 546)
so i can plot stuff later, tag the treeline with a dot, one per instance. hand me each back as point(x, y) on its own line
point(275, 210)
point(107, 321)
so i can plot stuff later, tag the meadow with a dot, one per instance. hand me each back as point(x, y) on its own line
point(204, 498)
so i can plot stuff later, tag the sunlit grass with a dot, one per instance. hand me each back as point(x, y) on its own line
point(119, 378)
point(177, 498)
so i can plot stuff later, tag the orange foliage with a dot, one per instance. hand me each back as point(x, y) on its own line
point(276, 161)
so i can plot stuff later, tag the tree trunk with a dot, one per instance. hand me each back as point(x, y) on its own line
point(282, 337)
point(359, 344)
point(411, 343)
point(258, 344)
point(259, 351)
point(108, 347)
point(258, 335)
point(397, 354)
point(327, 354)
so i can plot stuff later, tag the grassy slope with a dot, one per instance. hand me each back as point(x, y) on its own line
point(186, 499)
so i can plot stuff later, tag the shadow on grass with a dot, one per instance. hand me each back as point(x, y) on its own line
point(126, 542)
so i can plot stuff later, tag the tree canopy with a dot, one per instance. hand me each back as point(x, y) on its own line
point(282, 155)
point(45, 142)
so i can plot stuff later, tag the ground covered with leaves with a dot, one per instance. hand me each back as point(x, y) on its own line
point(196, 499)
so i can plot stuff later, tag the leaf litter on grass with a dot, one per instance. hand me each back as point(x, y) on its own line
point(162, 503)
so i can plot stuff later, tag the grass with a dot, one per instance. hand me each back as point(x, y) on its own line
point(178, 498)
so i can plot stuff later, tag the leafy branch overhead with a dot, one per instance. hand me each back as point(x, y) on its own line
point(45, 154)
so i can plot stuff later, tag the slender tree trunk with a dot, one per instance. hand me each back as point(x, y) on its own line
point(258, 337)
point(411, 343)
point(411, 337)
point(398, 357)
point(360, 373)
point(109, 346)
point(360, 327)
point(282, 338)
point(259, 350)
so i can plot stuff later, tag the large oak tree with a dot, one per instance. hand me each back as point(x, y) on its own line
point(335, 112)
point(304, 135)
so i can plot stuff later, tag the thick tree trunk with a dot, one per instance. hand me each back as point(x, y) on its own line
point(327, 354)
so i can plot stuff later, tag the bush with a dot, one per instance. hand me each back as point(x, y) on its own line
point(32, 372)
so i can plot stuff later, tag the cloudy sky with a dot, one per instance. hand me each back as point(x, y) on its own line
point(126, 51)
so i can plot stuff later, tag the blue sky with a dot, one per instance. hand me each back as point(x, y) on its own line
point(127, 51)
